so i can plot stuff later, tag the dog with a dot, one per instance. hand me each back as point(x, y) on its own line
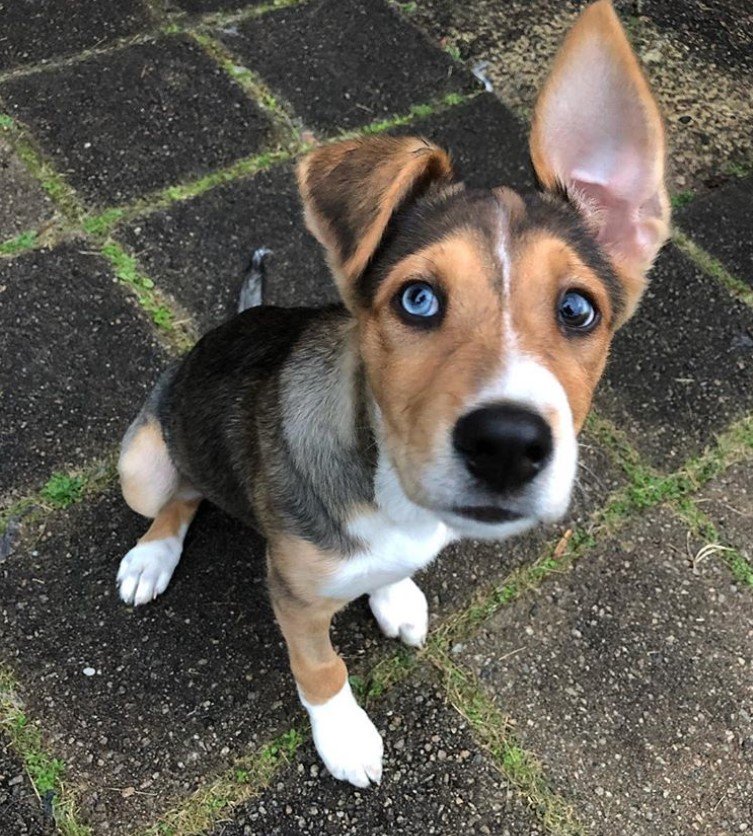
point(441, 400)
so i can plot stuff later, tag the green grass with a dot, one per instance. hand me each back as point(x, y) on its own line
point(59, 492)
point(24, 241)
point(495, 733)
point(6, 121)
point(738, 168)
point(45, 772)
point(152, 301)
point(102, 224)
point(713, 267)
point(63, 490)
point(453, 51)
point(681, 199)
point(248, 777)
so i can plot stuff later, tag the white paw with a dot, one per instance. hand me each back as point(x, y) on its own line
point(346, 739)
point(146, 570)
point(401, 610)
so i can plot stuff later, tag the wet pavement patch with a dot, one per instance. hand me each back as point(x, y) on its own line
point(37, 30)
point(680, 370)
point(80, 359)
point(130, 122)
point(436, 781)
point(342, 65)
point(720, 223)
point(630, 678)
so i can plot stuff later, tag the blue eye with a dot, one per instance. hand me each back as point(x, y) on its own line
point(419, 300)
point(576, 311)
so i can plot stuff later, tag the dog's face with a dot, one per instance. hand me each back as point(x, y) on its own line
point(485, 317)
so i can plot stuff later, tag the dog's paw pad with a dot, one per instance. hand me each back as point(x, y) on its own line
point(146, 570)
point(401, 611)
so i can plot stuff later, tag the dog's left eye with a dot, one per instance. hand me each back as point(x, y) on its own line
point(577, 312)
point(419, 300)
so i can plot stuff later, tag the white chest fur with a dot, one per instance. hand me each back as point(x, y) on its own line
point(399, 538)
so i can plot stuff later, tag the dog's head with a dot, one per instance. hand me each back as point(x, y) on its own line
point(485, 317)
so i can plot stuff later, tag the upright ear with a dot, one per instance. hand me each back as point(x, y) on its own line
point(351, 190)
point(598, 135)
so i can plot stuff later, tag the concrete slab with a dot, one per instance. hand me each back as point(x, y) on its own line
point(199, 249)
point(130, 122)
point(630, 677)
point(488, 143)
point(37, 30)
point(720, 223)
point(680, 370)
point(706, 104)
point(728, 500)
point(436, 781)
point(205, 6)
point(181, 686)
point(342, 65)
point(21, 812)
point(80, 359)
point(25, 205)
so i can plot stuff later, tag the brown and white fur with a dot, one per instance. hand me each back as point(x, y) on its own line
point(361, 440)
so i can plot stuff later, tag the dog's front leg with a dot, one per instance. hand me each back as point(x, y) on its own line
point(345, 738)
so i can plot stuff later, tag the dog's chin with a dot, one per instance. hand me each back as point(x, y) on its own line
point(486, 522)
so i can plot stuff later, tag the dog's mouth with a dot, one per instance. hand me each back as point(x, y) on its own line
point(487, 513)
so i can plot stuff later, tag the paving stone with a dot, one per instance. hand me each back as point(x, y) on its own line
point(706, 128)
point(202, 6)
point(127, 123)
point(489, 145)
point(199, 249)
point(720, 32)
point(80, 357)
point(20, 811)
point(728, 500)
point(680, 370)
point(37, 30)
point(630, 678)
point(177, 681)
point(720, 223)
point(344, 64)
point(25, 205)
point(436, 781)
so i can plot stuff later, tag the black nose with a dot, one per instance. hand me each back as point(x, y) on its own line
point(504, 446)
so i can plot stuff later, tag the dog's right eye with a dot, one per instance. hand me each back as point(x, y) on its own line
point(418, 303)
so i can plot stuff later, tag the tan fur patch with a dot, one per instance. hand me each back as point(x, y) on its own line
point(543, 267)
point(296, 570)
point(148, 478)
point(422, 379)
point(171, 518)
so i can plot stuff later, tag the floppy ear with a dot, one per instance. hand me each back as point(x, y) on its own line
point(598, 136)
point(351, 189)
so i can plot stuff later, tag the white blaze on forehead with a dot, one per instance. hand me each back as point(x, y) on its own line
point(503, 254)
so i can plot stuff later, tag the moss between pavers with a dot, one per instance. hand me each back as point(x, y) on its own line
point(60, 491)
point(54, 184)
point(45, 771)
point(713, 267)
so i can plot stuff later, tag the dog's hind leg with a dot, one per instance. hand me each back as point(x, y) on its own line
point(152, 487)
point(146, 570)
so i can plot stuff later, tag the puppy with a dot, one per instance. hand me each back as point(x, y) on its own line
point(440, 400)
